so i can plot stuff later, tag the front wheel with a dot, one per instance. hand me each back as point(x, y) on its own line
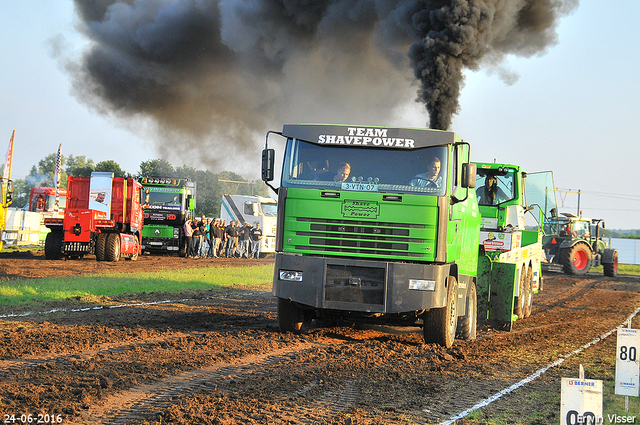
point(440, 323)
point(292, 318)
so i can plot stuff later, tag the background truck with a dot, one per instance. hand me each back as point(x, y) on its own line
point(510, 268)
point(574, 245)
point(43, 199)
point(6, 199)
point(254, 210)
point(168, 202)
point(103, 216)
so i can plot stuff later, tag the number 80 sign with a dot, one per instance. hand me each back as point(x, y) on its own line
point(627, 362)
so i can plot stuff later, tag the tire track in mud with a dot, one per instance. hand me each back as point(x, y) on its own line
point(140, 402)
point(15, 366)
point(580, 289)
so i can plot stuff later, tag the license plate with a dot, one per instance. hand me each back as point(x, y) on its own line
point(360, 187)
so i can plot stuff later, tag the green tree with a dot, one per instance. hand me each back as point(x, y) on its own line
point(110, 166)
point(156, 168)
point(79, 166)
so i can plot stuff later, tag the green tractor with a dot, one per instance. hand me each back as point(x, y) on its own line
point(574, 244)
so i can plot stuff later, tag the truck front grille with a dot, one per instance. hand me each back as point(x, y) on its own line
point(363, 285)
point(360, 237)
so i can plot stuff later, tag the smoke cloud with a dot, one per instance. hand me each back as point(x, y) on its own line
point(212, 76)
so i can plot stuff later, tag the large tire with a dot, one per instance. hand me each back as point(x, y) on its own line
point(101, 246)
point(53, 245)
point(440, 323)
point(577, 259)
point(112, 252)
point(292, 318)
point(467, 324)
point(520, 300)
point(611, 269)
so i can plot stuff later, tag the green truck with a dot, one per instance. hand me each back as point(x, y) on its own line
point(511, 251)
point(367, 232)
point(168, 202)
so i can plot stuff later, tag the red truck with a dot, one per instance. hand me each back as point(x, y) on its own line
point(103, 216)
point(43, 199)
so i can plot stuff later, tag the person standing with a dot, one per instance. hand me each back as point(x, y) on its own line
point(204, 240)
point(256, 241)
point(188, 236)
point(232, 238)
point(244, 236)
point(196, 235)
point(211, 232)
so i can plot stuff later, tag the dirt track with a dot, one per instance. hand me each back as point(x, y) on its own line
point(217, 357)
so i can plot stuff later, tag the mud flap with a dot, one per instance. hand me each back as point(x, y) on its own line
point(483, 286)
point(502, 294)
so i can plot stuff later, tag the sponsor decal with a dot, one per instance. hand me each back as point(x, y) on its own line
point(360, 209)
point(364, 136)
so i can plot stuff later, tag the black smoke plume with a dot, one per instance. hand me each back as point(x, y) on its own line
point(213, 74)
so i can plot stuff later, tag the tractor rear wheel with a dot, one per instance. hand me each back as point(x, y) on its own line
point(611, 269)
point(467, 324)
point(440, 323)
point(53, 245)
point(112, 252)
point(576, 260)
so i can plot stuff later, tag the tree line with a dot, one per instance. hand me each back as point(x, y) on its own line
point(210, 186)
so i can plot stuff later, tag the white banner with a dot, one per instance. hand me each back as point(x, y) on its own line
point(627, 362)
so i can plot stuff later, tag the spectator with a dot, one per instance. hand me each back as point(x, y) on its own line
point(212, 239)
point(256, 241)
point(204, 240)
point(244, 236)
point(196, 239)
point(188, 236)
point(232, 237)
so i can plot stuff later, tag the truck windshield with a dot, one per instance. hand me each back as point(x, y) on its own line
point(160, 196)
point(270, 209)
point(494, 188)
point(422, 171)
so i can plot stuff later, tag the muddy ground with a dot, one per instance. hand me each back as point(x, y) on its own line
point(217, 357)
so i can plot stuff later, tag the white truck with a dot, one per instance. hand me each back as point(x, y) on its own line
point(254, 210)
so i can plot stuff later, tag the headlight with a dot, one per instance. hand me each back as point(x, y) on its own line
point(422, 285)
point(291, 275)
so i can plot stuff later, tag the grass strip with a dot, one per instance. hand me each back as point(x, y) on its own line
point(24, 291)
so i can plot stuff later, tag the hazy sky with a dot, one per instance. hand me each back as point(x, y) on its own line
point(574, 109)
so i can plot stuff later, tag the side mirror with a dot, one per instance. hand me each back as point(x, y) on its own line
point(268, 160)
point(469, 171)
